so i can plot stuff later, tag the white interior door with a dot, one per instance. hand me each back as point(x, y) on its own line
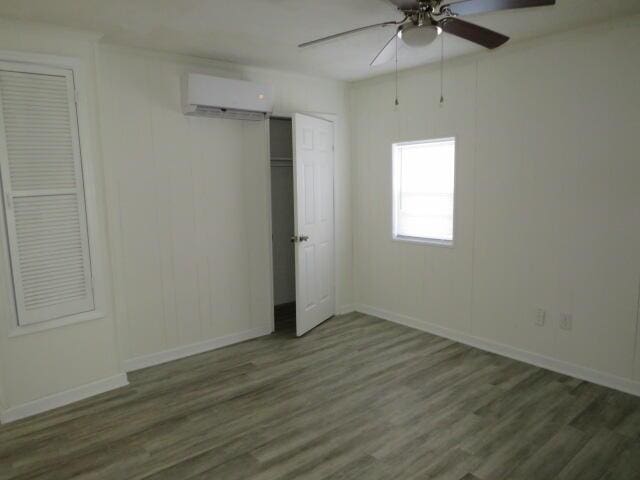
point(313, 205)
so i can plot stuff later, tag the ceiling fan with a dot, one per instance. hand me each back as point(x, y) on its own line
point(424, 20)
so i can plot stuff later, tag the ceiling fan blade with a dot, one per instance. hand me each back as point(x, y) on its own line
point(472, 32)
point(387, 52)
point(348, 32)
point(472, 7)
point(405, 4)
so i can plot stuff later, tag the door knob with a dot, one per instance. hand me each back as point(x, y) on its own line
point(299, 238)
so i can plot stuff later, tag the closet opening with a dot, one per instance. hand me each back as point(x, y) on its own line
point(282, 218)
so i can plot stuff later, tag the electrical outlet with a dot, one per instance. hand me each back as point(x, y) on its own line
point(566, 321)
point(541, 317)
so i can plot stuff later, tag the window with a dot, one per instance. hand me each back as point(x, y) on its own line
point(423, 191)
point(43, 193)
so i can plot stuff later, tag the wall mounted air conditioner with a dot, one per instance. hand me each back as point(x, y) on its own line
point(207, 96)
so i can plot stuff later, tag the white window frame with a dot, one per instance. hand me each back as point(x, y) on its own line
point(394, 188)
point(91, 206)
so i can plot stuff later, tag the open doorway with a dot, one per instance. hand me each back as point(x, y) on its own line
point(301, 164)
point(282, 217)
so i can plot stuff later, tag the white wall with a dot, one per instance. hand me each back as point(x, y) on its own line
point(548, 197)
point(185, 197)
point(183, 217)
point(47, 363)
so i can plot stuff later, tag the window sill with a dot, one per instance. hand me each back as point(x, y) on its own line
point(423, 241)
point(19, 330)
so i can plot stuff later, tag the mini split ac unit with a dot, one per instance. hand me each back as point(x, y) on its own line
point(207, 96)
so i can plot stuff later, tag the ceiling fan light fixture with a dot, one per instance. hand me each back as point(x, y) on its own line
point(419, 36)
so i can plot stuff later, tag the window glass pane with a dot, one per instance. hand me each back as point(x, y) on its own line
point(424, 189)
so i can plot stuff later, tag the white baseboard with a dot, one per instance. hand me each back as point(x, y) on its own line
point(84, 391)
point(152, 359)
point(594, 376)
point(344, 309)
point(63, 398)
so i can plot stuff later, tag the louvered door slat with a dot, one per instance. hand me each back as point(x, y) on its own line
point(44, 205)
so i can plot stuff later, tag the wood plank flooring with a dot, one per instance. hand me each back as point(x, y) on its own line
point(357, 398)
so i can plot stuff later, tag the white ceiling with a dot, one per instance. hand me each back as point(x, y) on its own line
point(265, 32)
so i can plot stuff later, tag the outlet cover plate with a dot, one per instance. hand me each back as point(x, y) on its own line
point(566, 321)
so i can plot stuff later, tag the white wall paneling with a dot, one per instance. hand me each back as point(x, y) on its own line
point(182, 201)
point(190, 198)
point(547, 197)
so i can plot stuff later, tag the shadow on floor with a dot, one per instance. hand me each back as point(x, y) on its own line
point(285, 318)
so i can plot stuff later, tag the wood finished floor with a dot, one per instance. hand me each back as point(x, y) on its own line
point(357, 398)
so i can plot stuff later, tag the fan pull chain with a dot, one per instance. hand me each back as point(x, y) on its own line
point(442, 69)
point(397, 102)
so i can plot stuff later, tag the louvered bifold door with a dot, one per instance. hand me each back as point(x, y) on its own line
point(43, 193)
